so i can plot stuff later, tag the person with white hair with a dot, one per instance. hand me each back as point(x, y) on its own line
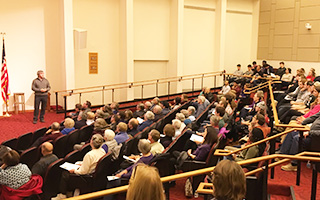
point(110, 143)
point(157, 110)
point(191, 110)
point(203, 103)
point(178, 127)
point(148, 120)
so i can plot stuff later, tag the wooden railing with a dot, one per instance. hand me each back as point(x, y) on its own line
point(140, 84)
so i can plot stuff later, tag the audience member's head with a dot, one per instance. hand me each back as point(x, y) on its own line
point(107, 109)
point(211, 136)
point(122, 127)
point(109, 135)
point(11, 158)
point(238, 66)
point(168, 130)
point(185, 113)
point(154, 135)
point(55, 126)
point(145, 183)
point(147, 105)
point(176, 124)
point(261, 120)
point(157, 109)
point(114, 106)
point(177, 100)
point(100, 124)
point(191, 110)
point(133, 123)
point(128, 114)
point(86, 105)
point(180, 117)
point(220, 111)
point(165, 104)
point(122, 115)
point(144, 146)
point(140, 106)
point(78, 107)
point(96, 141)
point(184, 97)
point(155, 101)
point(201, 99)
point(101, 114)
point(46, 148)
point(149, 115)
point(214, 121)
point(91, 116)
point(68, 123)
point(229, 181)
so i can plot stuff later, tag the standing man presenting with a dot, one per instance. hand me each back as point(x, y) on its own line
point(40, 86)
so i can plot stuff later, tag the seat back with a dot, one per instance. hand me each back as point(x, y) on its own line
point(179, 143)
point(85, 133)
point(52, 180)
point(85, 149)
point(39, 133)
point(59, 146)
point(73, 156)
point(103, 169)
point(73, 138)
point(24, 141)
point(30, 156)
point(257, 186)
point(12, 143)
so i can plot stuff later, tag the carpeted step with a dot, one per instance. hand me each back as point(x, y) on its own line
point(279, 197)
point(279, 189)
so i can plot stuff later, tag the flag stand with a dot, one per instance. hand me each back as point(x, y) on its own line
point(7, 114)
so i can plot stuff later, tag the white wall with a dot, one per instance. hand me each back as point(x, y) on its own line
point(101, 20)
point(33, 42)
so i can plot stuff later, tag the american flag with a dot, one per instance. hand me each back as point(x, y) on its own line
point(4, 78)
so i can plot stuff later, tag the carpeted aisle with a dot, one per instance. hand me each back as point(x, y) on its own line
point(16, 125)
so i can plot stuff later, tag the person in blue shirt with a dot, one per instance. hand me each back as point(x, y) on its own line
point(68, 126)
point(122, 135)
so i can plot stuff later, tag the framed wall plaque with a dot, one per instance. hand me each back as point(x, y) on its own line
point(93, 63)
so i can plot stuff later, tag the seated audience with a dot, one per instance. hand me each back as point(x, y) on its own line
point(81, 121)
point(128, 115)
point(144, 147)
point(139, 111)
point(165, 107)
point(203, 103)
point(184, 98)
point(220, 112)
point(238, 73)
point(178, 127)
point(281, 70)
point(192, 110)
point(68, 126)
point(87, 166)
point(114, 107)
point(122, 116)
point(115, 119)
point(229, 181)
point(78, 108)
point(133, 127)
point(254, 136)
point(51, 134)
point(121, 135)
point(145, 184)
point(157, 110)
point(155, 101)
point(86, 107)
point(225, 89)
point(311, 75)
point(148, 120)
point(12, 173)
point(156, 147)
point(208, 94)
point(147, 106)
point(48, 157)
point(101, 114)
point(110, 144)
point(99, 126)
point(286, 79)
point(177, 103)
point(169, 132)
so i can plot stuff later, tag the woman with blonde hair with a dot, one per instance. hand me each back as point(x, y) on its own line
point(229, 181)
point(145, 184)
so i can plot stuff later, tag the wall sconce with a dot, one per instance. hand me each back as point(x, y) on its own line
point(308, 26)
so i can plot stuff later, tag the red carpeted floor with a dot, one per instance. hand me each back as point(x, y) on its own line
point(16, 125)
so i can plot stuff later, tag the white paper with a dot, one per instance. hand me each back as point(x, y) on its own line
point(69, 166)
point(197, 138)
point(130, 159)
point(111, 178)
point(140, 120)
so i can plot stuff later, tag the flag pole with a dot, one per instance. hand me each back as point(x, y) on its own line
point(6, 102)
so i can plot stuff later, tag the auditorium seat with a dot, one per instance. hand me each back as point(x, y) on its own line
point(51, 181)
point(12, 143)
point(38, 133)
point(73, 138)
point(24, 141)
point(85, 133)
point(96, 181)
point(59, 146)
point(30, 156)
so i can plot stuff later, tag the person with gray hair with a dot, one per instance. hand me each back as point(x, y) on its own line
point(148, 120)
point(157, 110)
point(51, 134)
point(192, 110)
point(203, 103)
point(41, 87)
point(87, 166)
point(110, 144)
point(178, 127)
point(144, 147)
